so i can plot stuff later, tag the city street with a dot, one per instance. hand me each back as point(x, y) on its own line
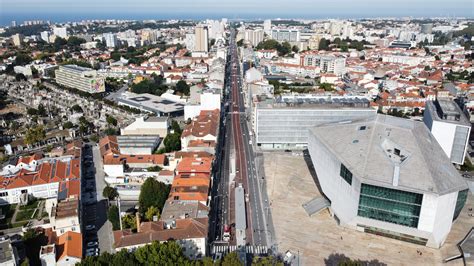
point(94, 211)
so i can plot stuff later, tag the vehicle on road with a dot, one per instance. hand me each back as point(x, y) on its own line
point(227, 232)
point(90, 227)
point(92, 253)
point(92, 244)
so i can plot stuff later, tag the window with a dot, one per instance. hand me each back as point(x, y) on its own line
point(390, 205)
point(3, 194)
point(462, 197)
point(346, 174)
point(362, 128)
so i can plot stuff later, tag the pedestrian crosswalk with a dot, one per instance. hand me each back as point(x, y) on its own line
point(224, 249)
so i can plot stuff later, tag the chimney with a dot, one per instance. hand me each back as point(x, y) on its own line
point(138, 222)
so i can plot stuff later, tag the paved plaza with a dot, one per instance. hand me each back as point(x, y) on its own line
point(319, 239)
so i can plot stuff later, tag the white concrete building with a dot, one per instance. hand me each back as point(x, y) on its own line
point(81, 78)
point(60, 32)
point(267, 26)
point(326, 63)
point(147, 126)
point(201, 36)
point(110, 40)
point(449, 126)
point(388, 176)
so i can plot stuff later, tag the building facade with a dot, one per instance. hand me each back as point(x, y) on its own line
point(449, 126)
point(282, 126)
point(81, 78)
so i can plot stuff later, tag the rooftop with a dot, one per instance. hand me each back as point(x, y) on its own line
point(150, 102)
point(392, 152)
point(175, 209)
point(447, 111)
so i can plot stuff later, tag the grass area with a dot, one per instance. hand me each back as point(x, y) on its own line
point(31, 205)
point(24, 215)
point(467, 166)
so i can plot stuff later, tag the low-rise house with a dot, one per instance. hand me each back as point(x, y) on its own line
point(190, 234)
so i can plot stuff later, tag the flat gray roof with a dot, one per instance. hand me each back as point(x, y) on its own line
point(150, 102)
point(372, 147)
point(240, 219)
point(77, 68)
point(180, 209)
point(138, 141)
point(447, 111)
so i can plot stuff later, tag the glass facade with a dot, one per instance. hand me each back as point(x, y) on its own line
point(390, 205)
point(346, 174)
point(462, 197)
point(286, 125)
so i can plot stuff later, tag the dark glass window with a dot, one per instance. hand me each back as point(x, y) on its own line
point(390, 205)
point(462, 197)
point(346, 174)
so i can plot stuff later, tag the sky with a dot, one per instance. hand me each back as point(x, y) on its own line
point(57, 10)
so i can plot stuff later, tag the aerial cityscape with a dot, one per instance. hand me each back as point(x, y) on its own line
point(236, 132)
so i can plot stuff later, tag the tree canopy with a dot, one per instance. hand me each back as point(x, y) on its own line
point(113, 216)
point(34, 135)
point(182, 87)
point(110, 192)
point(153, 193)
point(270, 44)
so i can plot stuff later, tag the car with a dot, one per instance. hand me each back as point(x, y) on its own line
point(91, 250)
point(90, 227)
point(92, 244)
point(92, 253)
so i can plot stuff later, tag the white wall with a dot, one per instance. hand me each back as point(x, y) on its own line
point(43, 191)
point(444, 134)
point(344, 198)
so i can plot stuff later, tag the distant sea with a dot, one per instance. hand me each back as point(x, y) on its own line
point(7, 18)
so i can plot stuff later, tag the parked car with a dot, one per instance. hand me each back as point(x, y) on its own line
point(92, 244)
point(90, 227)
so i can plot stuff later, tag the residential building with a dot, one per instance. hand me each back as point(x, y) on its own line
point(267, 26)
point(17, 39)
point(147, 126)
point(387, 176)
point(45, 36)
point(60, 32)
point(450, 127)
point(202, 98)
point(201, 134)
point(81, 78)
point(254, 37)
point(285, 125)
point(326, 63)
point(286, 35)
point(62, 250)
point(43, 182)
point(190, 234)
point(65, 216)
point(201, 39)
point(110, 40)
